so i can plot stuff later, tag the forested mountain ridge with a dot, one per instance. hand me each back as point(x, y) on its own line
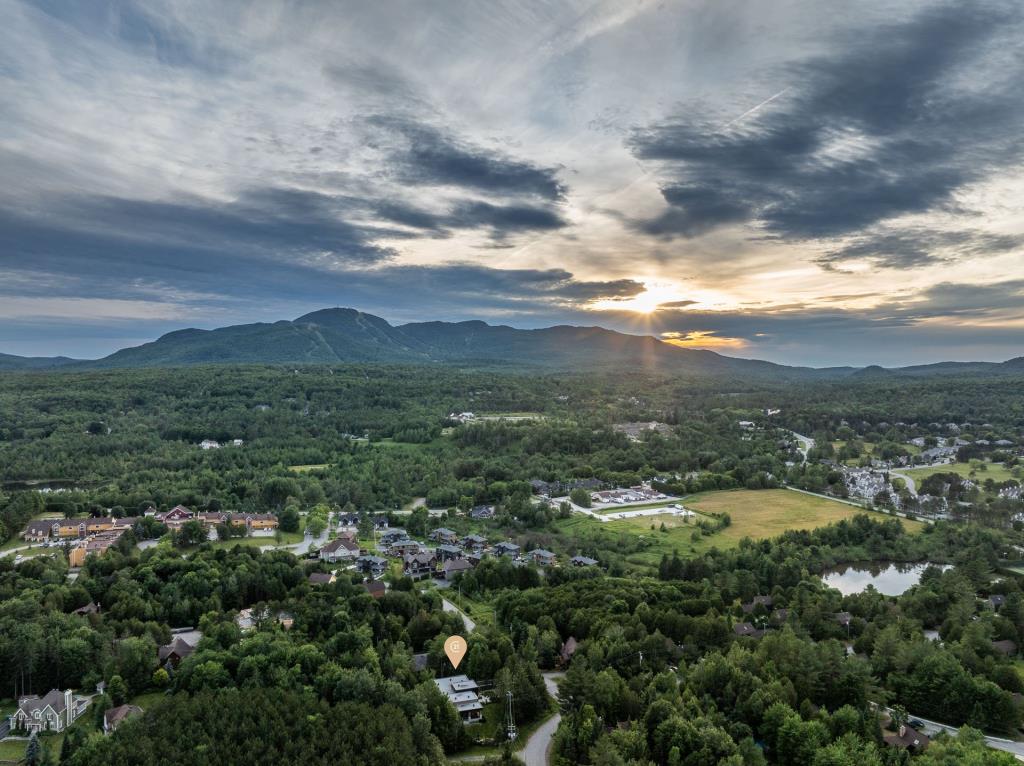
point(343, 335)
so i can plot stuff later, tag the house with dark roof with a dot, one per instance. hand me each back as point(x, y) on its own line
point(404, 547)
point(113, 717)
point(449, 552)
point(375, 588)
point(506, 549)
point(41, 530)
point(995, 601)
point(480, 512)
point(542, 557)
point(908, 739)
point(474, 542)
point(843, 618)
point(388, 536)
point(54, 711)
point(173, 653)
point(374, 566)
point(339, 549)
point(418, 565)
point(583, 561)
point(1007, 647)
point(453, 567)
point(746, 629)
point(444, 535)
point(322, 578)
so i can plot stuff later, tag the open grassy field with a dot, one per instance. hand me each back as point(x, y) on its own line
point(994, 471)
point(755, 513)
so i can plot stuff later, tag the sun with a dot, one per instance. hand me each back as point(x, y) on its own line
point(655, 294)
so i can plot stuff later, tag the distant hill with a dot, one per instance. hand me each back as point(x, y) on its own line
point(341, 335)
point(11, 362)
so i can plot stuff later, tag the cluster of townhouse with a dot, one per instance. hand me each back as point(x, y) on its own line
point(179, 515)
point(641, 493)
point(448, 554)
point(95, 535)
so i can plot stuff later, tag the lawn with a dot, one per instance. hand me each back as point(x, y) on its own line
point(755, 513)
point(310, 467)
point(995, 471)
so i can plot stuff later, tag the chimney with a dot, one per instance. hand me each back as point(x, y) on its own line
point(903, 730)
point(69, 706)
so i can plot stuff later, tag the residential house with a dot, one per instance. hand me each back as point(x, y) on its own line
point(54, 711)
point(444, 535)
point(173, 653)
point(375, 566)
point(348, 519)
point(506, 549)
point(388, 536)
point(88, 609)
point(461, 691)
point(114, 717)
point(454, 567)
point(322, 578)
point(248, 520)
point(41, 530)
point(449, 552)
point(908, 739)
point(404, 547)
point(175, 517)
point(995, 601)
point(481, 512)
point(349, 533)
point(746, 629)
point(418, 565)
point(375, 588)
point(1007, 648)
point(542, 557)
point(209, 444)
point(474, 542)
point(583, 561)
point(380, 522)
point(339, 549)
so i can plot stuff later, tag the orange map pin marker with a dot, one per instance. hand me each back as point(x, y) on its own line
point(455, 648)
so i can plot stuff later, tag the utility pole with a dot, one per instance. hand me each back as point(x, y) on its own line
point(510, 717)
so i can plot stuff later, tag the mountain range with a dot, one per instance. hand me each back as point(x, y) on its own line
point(340, 335)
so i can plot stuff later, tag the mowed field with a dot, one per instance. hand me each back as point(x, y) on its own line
point(755, 513)
point(994, 471)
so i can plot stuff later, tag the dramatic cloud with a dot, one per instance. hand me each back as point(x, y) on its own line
point(896, 121)
point(799, 181)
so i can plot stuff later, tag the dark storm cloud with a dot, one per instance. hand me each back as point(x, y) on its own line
point(911, 248)
point(897, 121)
point(271, 222)
point(424, 155)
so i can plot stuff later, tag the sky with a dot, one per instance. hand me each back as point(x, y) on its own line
point(807, 181)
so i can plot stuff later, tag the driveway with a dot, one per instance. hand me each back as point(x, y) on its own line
point(448, 606)
point(536, 750)
point(806, 443)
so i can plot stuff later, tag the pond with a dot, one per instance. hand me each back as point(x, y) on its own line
point(889, 578)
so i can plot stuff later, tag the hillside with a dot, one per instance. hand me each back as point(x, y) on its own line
point(343, 335)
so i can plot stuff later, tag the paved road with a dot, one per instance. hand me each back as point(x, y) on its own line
point(535, 751)
point(861, 506)
point(911, 484)
point(448, 606)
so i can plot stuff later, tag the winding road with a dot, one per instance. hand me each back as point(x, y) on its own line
point(535, 751)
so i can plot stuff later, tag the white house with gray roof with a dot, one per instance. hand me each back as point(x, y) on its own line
point(53, 712)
